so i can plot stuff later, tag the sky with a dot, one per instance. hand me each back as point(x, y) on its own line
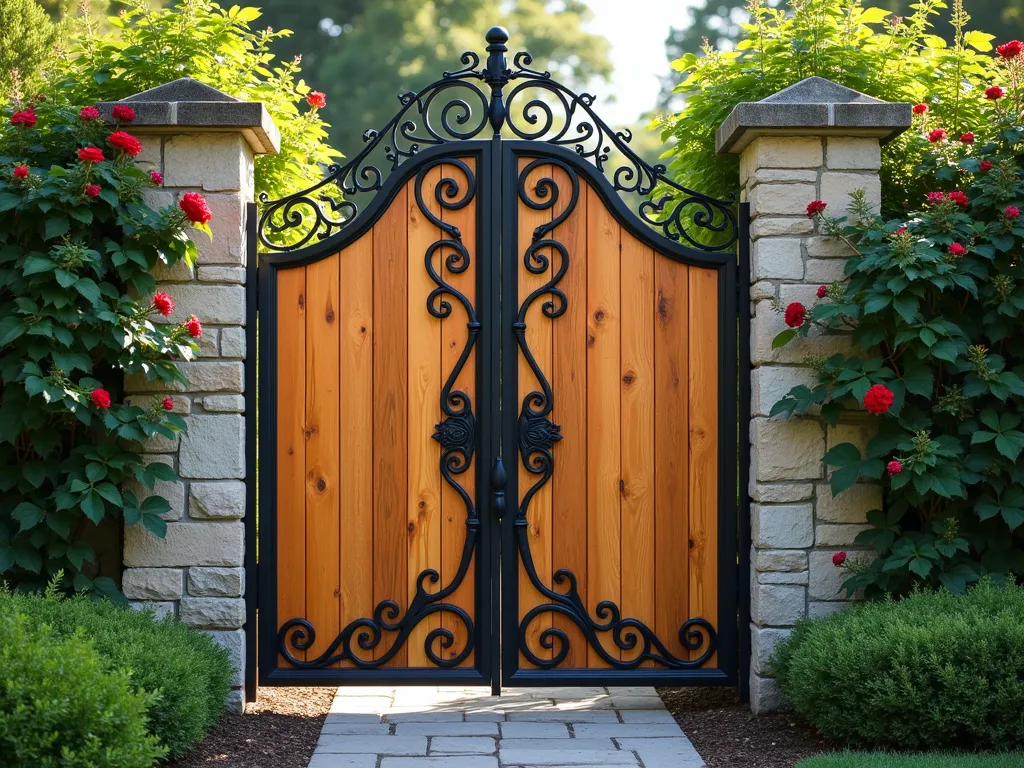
point(636, 30)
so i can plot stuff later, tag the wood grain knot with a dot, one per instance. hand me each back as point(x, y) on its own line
point(362, 329)
point(664, 308)
point(321, 484)
point(692, 544)
point(599, 316)
point(411, 526)
point(629, 378)
point(302, 301)
point(623, 489)
point(309, 432)
point(329, 316)
point(590, 339)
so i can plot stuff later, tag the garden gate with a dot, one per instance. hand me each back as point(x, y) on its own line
point(498, 411)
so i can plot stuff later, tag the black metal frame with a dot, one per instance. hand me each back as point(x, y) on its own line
point(503, 439)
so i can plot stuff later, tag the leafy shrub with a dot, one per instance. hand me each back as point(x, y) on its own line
point(77, 245)
point(27, 37)
point(932, 671)
point(862, 48)
point(934, 301)
point(183, 670)
point(60, 705)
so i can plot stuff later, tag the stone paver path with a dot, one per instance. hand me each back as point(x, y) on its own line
point(418, 727)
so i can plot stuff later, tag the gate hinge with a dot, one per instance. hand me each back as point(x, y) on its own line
point(498, 480)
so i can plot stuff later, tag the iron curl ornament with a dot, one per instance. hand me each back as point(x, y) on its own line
point(470, 102)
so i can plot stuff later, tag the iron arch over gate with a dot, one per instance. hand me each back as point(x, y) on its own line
point(498, 412)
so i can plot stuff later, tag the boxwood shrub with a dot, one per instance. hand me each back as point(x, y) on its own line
point(932, 671)
point(185, 670)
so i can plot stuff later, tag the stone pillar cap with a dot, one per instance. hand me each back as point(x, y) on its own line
point(192, 107)
point(814, 106)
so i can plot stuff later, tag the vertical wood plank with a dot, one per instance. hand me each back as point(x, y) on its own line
point(291, 446)
point(390, 449)
point(703, 434)
point(454, 334)
point(356, 413)
point(637, 381)
point(672, 465)
point(569, 383)
point(603, 412)
point(424, 349)
point(323, 572)
point(538, 338)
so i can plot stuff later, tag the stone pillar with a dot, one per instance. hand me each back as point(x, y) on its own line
point(201, 140)
point(815, 140)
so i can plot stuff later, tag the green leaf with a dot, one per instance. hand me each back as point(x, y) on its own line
point(57, 226)
point(109, 492)
point(921, 566)
point(907, 307)
point(79, 553)
point(1013, 516)
point(844, 478)
point(28, 514)
point(783, 338)
point(842, 455)
point(28, 558)
point(1010, 445)
point(919, 380)
point(979, 41)
point(92, 506)
point(89, 290)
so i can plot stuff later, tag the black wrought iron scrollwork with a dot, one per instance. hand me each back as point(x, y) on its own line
point(462, 105)
point(456, 434)
point(537, 435)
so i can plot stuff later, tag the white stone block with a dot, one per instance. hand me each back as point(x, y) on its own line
point(827, 579)
point(824, 271)
point(781, 199)
point(827, 535)
point(215, 162)
point(764, 695)
point(836, 189)
point(217, 501)
point(216, 582)
point(787, 526)
point(850, 506)
point(180, 404)
point(233, 640)
point(783, 152)
point(227, 247)
point(777, 175)
point(160, 610)
point(216, 274)
point(770, 383)
point(819, 610)
point(766, 226)
point(213, 304)
point(151, 156)
point(779, 560)
point(767, 324)
point(152, 583)
point(203, 376)
point(208, 342)
point(850, 153)
point(827, 248)
point(161, 444)
point(232, 342)
point(786, 450)
point(783, 577)
point(762, 290)
point(212, 612)
point(224, 403)
point(779, 493)
point(763, 643)
point(235, 704)
point(777, 605)
point(777, 258)
point(171, 490)
point(214, 448)
point(185, 544)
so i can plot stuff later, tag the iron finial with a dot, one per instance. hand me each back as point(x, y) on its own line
point(496, 74)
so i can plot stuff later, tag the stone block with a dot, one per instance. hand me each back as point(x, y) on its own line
point(185, 544)
point(767, 324)
point(762, 290)
point(827, 248)
point(217, 501)
point(786, 450)
point(232, 342)
point(850, 506)
point(180, 272)
point(836, 189)
point(228, 227)
point(782, 152)
point(151, 156)
point(777, 258)
point(824, 271)
point(786, 526)
point(224, 403)
point(819, 610)
point(152, 583)
point(215, 274)
point(850, 153)
point(770, 383)
point(781, 199)
point(781, 492)
point(762, 645)
point(777, 605)
point(827, 535)
point(772, 560)
point(208, 342)
point(214, 448)
point(826, 579)
point(202, 376)
point(161, 443)
point(233, 641)
point(212, 612)
point(158, 199)
point(235, 703)
point(215, 162)
point(859, 434)
point(172, 490)
point(783, 577)
point(764, 695)
point(213, 304)
point(181, 404)
point(766, 226)
point(160, 610)
point(777, 175)
point(216, 582)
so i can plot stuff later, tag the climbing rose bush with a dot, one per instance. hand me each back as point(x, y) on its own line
point(79, 311)
point(934, 303)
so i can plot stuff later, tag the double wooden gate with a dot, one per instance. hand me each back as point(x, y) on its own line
point(498, 409)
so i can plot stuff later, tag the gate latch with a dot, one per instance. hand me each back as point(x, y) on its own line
point(498, 481)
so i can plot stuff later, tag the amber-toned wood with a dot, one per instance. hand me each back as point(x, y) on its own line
point(356, 432)
point(637, 401)
point(538, 338)
point(569, 384)
point(390, 411)
point(425, 375)
point(453, 338)
point(703, 434)
point(291, 445)
point(604, 468)
point(671, 470)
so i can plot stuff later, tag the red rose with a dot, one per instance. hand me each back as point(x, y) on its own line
point(936, 198)
point(21, 171)
point(163, 303)
point(123, 113)
point(959, 198)
point(920, 109)
point(317, 99)
point(795, 314)
point(91, 155)
point(985, 166)
point(893, 468)
point(93, 190)
point(195, 208)
point(194, 327)
point(26, 118)
point(838, 559)
point(88, 113)
point(125, 142)
point(100, 398)
point(957, 250)
point(822, 291)
point(900, 231)
point(1012, 212)
point(157, 177)
point(168, 403)
point(994, 92)
point(815, 206)
point(1010, 50)
point(937, 135)
point(878, 399)
point(967, 138)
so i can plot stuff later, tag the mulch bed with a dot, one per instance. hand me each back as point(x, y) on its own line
point(279, 730)
point(725, 732)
